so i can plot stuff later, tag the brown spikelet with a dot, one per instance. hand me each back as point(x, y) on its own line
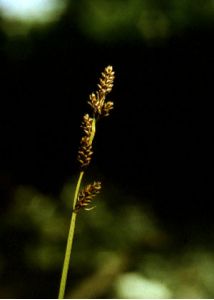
point(87, 124)
point(95, 103)
point(85, 153)
point(106, 81)
point(86, 195)
point(97, 99)
point(85, 150)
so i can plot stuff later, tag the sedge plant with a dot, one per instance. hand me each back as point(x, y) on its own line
point(84, 196)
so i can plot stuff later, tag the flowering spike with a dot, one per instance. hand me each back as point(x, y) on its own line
point(86, 196)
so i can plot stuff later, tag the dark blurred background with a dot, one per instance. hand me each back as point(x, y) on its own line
point(151, 234)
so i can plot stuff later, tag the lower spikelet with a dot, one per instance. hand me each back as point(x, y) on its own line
point(86, 195)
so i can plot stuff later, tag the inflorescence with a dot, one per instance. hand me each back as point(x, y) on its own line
point(100, 108)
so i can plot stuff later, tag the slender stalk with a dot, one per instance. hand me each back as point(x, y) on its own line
point(72, 226)
point(69, 242)
point(77, 188)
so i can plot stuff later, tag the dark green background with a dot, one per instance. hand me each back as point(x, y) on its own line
point(153, 153)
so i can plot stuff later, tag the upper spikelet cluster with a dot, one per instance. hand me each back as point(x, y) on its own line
point(100, 109)
point(97, 99)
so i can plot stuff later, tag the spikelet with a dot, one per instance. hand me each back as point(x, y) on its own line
point(106, 81)
point(86, 196)
point(85, 150)
point(87, 124)
point(97, 99)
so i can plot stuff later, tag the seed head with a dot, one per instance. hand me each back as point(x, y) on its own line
point(97, 99)
point(85, 150)
point(87, 125)
point(87, 194)
point(106, 81)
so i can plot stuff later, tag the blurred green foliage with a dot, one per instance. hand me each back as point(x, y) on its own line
point(104, 20)
point(119, 251)
point(148, 19)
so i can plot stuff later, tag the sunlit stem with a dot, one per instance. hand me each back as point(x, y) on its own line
point(69, 241)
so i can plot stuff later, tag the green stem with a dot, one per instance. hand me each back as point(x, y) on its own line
point(69, 242)
point(72, 227)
